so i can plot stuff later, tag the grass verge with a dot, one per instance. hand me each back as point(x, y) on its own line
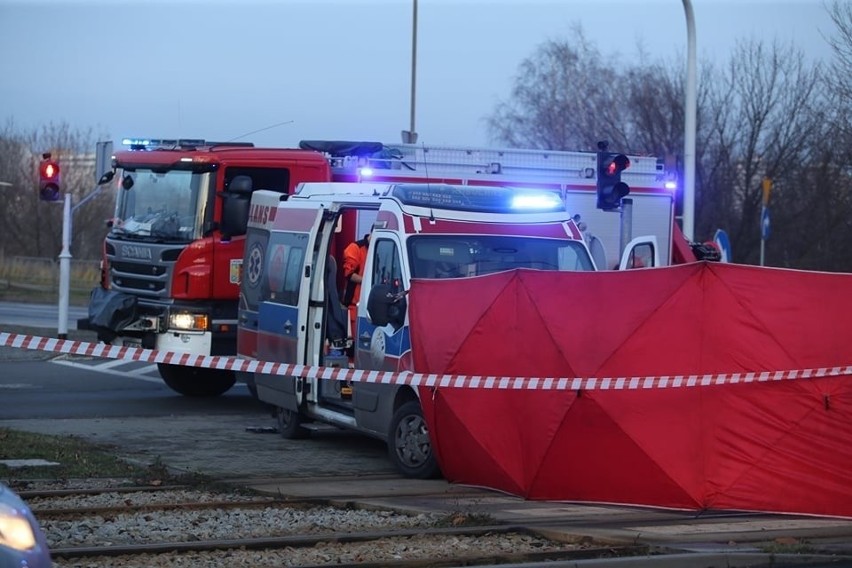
point(76, 458)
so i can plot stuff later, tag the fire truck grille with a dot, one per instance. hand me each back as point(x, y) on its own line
point(141, 269)
point(138, 284)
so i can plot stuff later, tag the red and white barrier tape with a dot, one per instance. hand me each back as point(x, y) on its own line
point(106, 351)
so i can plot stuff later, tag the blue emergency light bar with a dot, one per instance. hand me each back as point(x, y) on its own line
point(151, 143)
point(477, 198)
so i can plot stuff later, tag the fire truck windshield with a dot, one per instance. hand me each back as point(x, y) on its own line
point(160, 205)
point(455, 256)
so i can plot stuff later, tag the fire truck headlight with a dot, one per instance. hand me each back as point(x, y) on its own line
point(188, 322)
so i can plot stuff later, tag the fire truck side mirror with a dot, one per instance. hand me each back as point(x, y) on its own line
point(236, 202)
point(235, 212)
point(106, 178)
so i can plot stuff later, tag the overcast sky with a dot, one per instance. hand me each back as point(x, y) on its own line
point(324, 69)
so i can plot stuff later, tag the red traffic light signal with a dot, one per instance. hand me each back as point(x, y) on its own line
point(609, 185)
point(49, 180)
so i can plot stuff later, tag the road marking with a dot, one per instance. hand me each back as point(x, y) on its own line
point(19, 386)
point(100, 369)
point(144, 370)
point(110, 364)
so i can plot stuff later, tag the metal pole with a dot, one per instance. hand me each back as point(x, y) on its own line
point(626, 229)
point(762, 235)
point(65, 269)
point(413, 66)
point(689, 127)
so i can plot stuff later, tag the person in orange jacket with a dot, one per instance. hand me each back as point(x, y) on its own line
point(354, 263)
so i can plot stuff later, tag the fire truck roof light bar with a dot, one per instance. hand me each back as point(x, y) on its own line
point(175, 143)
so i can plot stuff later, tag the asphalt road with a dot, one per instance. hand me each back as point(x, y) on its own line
point(38, 315)
point(232, 436)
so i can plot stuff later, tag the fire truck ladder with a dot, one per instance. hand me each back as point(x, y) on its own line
point(536, 167)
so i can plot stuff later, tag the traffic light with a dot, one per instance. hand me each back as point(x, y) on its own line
point(49, 179)
point(610, 187)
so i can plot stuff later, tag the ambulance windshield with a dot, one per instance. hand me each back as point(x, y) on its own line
point(160, 206)
point(455, 256)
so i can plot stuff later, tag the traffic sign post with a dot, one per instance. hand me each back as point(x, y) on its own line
point(764, 218)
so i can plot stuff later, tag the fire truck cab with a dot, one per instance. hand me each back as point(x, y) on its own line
point(173, 255)
point(290, 307)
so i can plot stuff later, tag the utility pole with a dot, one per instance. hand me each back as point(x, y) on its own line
point(690, 112)
point(410, 136)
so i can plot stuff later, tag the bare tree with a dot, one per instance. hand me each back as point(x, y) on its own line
point(767, 112)
point(766, 116)
point(561, 100)
point(841, 44)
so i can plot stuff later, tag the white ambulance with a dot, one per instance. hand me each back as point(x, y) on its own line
point(290, 301)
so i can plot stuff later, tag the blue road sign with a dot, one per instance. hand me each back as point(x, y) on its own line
point(724, 243)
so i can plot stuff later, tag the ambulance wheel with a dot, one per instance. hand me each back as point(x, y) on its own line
point(409, 445)
point(290, 424)
point(195, 381)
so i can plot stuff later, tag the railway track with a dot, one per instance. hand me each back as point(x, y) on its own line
point(117, 525)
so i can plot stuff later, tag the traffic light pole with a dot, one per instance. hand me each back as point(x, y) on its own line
point(626, 228)
point(65, 269)
point(65, 260)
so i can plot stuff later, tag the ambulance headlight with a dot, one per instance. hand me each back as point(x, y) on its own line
point(536, 201)
point(188, 322)
point(16, 531)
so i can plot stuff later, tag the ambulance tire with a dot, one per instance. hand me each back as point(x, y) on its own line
point(290, 424)
point(409, 446)
point(195, 381)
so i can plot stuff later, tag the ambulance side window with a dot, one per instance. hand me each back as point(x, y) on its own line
point(285, 258)
point(387, 267)
point(384, 303)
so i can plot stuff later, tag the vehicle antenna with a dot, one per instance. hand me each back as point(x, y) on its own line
point(261, 130)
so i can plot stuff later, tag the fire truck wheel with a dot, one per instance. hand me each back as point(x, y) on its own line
point(290, 424)
point(408, 444)
point(195, 381)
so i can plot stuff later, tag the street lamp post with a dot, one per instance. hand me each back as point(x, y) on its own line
point(410, 136)
point(689, 127)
